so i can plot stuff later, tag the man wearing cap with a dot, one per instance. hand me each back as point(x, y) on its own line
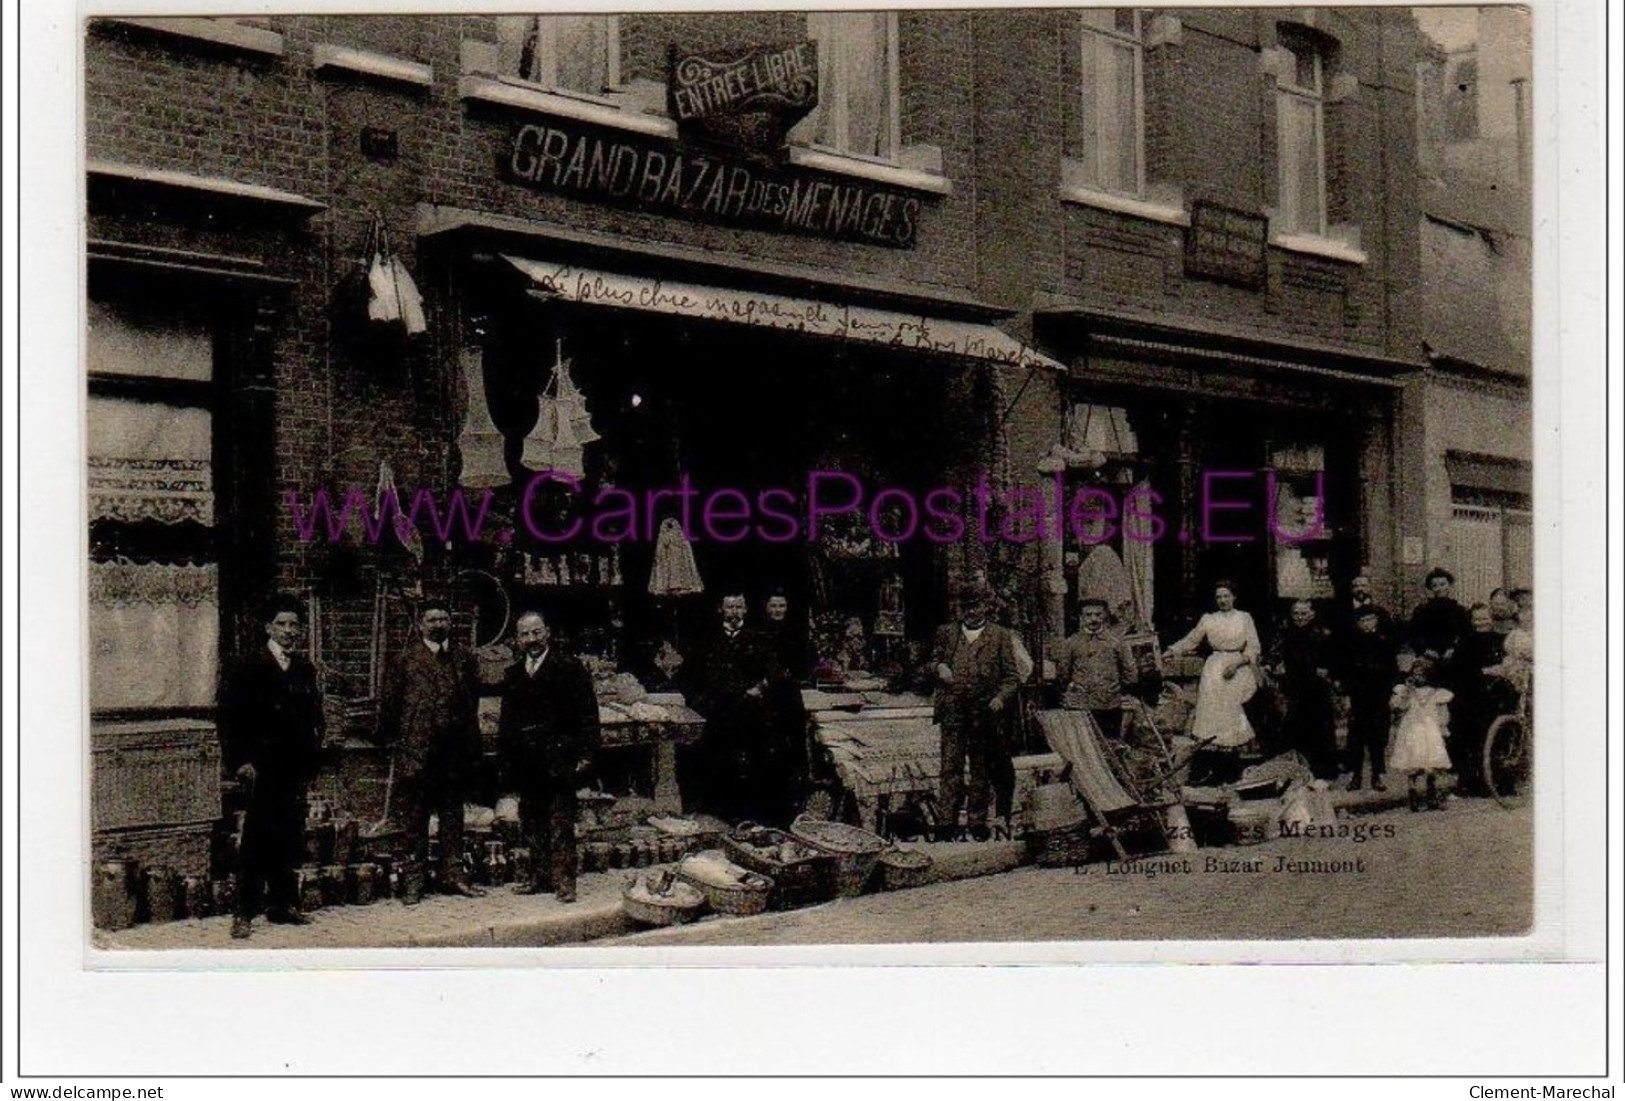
point(430, 714)
point(1092, 666)
point(272, 738)
point(976, 680)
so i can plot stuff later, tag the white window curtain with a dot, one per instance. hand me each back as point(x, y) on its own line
point(857, 84)
point(579, 53)
point(154, 635)
point(1477, 546)
point(1112, 101)
point(1300, 130)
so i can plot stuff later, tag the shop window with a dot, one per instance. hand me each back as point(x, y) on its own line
point(1300, 104)
point(153, 580)
point(1112, 102)
point(1492, 540)
point(576, 53)
point(857, 110)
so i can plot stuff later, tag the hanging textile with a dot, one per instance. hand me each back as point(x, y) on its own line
point(1104, 577)
point(479, 443)
point(675, 572)
point(1293, 579)
point(1137, 563)
point(154, 635)
point(563, 425)
point(149, 461)
point(405, 531)
point(392, 294)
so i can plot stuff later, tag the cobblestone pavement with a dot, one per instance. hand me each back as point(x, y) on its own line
point(1467, 871)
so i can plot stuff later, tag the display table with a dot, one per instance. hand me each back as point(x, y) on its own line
point(882, 746)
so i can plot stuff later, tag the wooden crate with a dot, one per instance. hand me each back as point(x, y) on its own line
point(150, 774)
point(184, 850)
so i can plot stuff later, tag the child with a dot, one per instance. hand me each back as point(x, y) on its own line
point(1419, 745)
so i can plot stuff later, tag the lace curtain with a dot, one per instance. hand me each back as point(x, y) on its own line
point(149, 461)
point(154, 635)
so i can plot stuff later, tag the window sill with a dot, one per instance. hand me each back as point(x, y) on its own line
point(385, 66)
point(843, 164)
point(494, 90)
point(1327, 247)
point(1170, 214)
point(219, 31)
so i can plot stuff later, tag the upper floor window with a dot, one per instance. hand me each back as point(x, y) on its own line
point(1111, 156)
point(1300, 122)
point(577, 53)
point(857, 84)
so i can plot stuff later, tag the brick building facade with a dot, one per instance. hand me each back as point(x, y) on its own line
point(1113, 250)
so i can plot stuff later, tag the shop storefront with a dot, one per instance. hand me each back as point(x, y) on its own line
point(1263, 464)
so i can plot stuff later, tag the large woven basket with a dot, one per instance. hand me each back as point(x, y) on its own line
point(742, 900)
point(904, 868)
point(1069, 847)
point(855, 850)
point(684, 904)
point(803, 882)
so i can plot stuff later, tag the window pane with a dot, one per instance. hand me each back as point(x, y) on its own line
point(1301, 163)
point(1123, 121)
point(854, 112)
point(581, 47)
point(1127, 21)
point(516, 46)
point(127, 340)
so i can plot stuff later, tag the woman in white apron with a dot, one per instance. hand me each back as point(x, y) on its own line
point(1228, 676)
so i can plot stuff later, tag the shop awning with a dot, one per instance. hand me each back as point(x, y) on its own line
point(814, 317)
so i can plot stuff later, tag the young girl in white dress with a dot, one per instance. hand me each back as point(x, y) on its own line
point(1424, 722)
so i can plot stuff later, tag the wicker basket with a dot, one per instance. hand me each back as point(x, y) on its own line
point(796, 883)
point(742, 900)
point(684, 904)
point(904, 868)
point(855, 850)
point(1063, 848)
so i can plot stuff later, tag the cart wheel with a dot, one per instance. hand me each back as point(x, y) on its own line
point(1507, 759)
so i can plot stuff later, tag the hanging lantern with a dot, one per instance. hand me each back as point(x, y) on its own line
point(480, 444)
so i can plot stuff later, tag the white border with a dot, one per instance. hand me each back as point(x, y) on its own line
point(1483, 1019)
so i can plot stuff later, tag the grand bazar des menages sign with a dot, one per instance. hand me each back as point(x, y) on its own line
point(751, 186)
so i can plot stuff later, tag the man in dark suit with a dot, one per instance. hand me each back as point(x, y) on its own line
point(272, 740)
point(1368, 668)
point(738, 771)
point(548, 734)
point(431, 716)
point(977, 678)
point(1360, 597)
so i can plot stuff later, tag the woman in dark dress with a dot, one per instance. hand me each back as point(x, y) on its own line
point(1478, 696)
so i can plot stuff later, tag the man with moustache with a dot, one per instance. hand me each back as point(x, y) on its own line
point(730, 679)
point(977, 679)
point(272, 739)
point(548, 734)
point(431, 717)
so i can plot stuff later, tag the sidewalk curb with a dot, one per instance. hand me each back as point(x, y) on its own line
point(606, 919)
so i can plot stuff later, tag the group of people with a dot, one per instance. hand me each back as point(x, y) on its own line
point(273, 730)
point(1444, 676)
point(1434, 683)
